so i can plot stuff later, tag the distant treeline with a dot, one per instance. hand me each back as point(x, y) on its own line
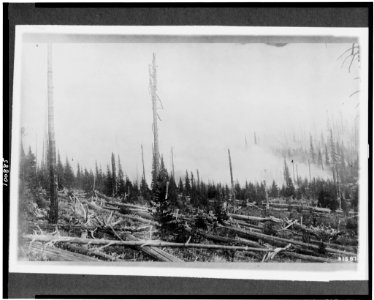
point(328, 153)
point(190, 189)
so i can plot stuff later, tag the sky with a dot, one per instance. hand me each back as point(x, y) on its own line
point(213, 95)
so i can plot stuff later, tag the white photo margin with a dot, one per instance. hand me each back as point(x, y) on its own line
point(273, 271)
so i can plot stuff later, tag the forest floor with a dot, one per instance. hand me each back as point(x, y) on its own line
point(94, 227)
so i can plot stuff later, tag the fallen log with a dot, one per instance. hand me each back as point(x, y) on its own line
point(320, 234)
point(136, 218)
point(131, 217)
point(228, 240)
point(254, 206)
point(157, 253)
point(305, 207)
point(322, 210)
point(130, 206)
point(243, 223)
point(283, 241)
point(299, 249)
point(89, 252)
point(142, 214)
point(278, 209)
point(82, 227)
point(153, 252)
point(151, 243)
point(255, 244)
point(298, 236)
point(56, 254)
point(67, 227)
point(303, 228)
point(253, 218)
point(133, 210)
point(285, 205)
point(235, 241)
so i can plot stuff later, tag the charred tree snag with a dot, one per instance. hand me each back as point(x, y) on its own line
point(143, 163)
point(114, 177)
point(153, 90)
point(53, 211)
point(232, 179)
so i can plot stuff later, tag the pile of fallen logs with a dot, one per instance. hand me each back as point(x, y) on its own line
point(323, 236)
point(279, 205)
point(100, 228)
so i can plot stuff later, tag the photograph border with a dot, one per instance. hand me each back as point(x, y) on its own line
point(363, 157)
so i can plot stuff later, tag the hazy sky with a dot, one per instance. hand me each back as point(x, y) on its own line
point(213, 96)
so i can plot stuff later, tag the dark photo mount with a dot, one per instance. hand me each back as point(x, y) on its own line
point(292, 15)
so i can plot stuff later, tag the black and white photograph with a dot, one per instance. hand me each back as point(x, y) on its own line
point(190, 146)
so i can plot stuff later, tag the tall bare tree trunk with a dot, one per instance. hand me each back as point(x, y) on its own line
point(153, 88)
point(293, 171)
point(143, 163)
point(198, 178)
point(310, 173)
point(114, 176)
point(53, 211)
point(232, 179)
point(172, 162)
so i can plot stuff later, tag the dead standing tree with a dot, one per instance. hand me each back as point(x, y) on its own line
point(232, 194)
point(53, 211)
point(143, 176)
point(154, 97)
point(198, 178)
point(172, 162)
point(114, 177)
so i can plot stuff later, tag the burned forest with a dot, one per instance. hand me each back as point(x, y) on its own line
point(303, 208)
